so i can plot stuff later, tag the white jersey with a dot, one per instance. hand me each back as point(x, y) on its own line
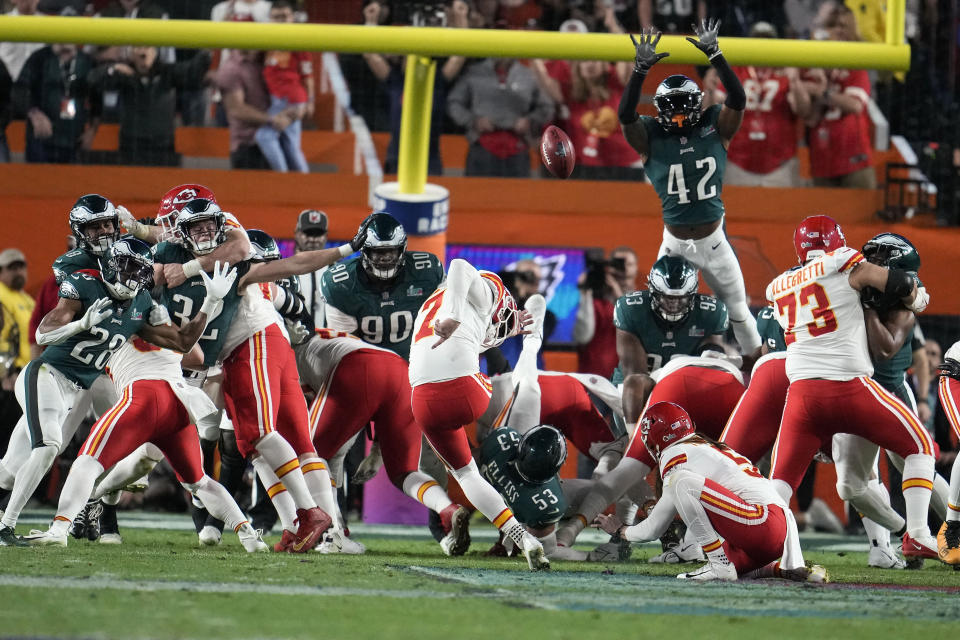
point(318, 357)
point(255, 314)
point(467, 297)
point(953, 352)
point(140, 360)
point(822, 319)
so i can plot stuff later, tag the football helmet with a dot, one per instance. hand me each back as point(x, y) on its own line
point(678, 100)
point(94, 208)
point(382, 251)
point(194, 213)
point(892, 250)
point(173, 200)
point(505, 319)
point(541, 453)
point(127, 268)
point(816, 236)
point(672, 283)
point(662, 425)
point(264, 246)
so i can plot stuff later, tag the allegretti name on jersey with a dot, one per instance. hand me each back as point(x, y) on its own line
point(790, 280)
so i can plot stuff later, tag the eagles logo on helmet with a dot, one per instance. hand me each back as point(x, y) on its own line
point(672, 283)
point(264, 246)
point(893, 251)
point(193, 215)
point(94, 209)
point(678, 100)
point(127, 268)
point(383, 248)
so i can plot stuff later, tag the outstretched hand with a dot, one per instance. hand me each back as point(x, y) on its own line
point(96, 313)
point(219, 285)
point(707, 33)
point(610, 523)
point(646, 50)
point(361, 237)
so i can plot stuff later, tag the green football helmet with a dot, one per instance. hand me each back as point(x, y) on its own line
point(893, 251)
point(541, 453)
point(92, 209)
point(382, 251)
point(195, 212)
point(127, 268)
point(678, 100)
point(264, 246)
point(672, 283)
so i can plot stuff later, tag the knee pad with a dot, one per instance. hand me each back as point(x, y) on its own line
point(850, 490)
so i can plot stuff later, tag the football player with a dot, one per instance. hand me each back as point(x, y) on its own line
point(473, 312)
point(828, 365)
point(94, 317)
point(948, 538)
point(743, 526)
point(685, 155)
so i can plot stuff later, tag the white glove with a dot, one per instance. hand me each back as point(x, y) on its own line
point(159, 315)
point(369, 466)
point(130, 223)
point(219, 285)
point(920, 301)
point(96, 313)
point(298, 333)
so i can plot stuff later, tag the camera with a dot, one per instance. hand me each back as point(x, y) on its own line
point(596, 268)
point(420, 13)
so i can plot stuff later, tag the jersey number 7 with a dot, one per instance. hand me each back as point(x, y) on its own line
point(824, 320)
point(430, 309)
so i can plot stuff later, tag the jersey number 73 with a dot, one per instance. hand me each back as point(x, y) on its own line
point(824, 320)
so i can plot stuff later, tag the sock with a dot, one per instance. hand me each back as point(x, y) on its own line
point(941, 488)
point(110, 499)
point(218, 502)
point(549, 543)
point(28, 478)
point(953, 499)
point(876, 534)
point(130, 468)
point(917, 486)
point(317, 476)
point(426, 491)
point(567, 534)
point(18, 450)
point(232, 467)
point(483, 496)
point(76, 491)
point(284, 462)
point(278, 494)
point(771, 570)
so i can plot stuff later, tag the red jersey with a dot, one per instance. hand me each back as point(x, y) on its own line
point(594, 129)
point(840, 143)
point(285, 71)
point(599, 356)
point(768, 136)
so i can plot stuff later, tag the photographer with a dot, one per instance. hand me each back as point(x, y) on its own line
point(523, 281)
point(601, 283)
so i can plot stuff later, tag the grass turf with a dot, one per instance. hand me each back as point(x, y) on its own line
point(158, 584)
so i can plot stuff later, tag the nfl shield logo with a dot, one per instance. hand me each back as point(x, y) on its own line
point(683, 139)
point(314, 217)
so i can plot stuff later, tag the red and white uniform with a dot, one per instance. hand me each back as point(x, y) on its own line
point(949, 391)
point(768, 135)
point(357, 383)
point(156, 405)
point(753, 425)
point(828, 364)
point(754, 522)
point(448, 389)
point(840, 143)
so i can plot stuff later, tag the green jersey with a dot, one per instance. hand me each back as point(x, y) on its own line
point(770, 330)
point(185, 300)
point(687, 170)
point(634, 313)
point(81, 357)
point(535, 505)
point(73, 261)
point(384, 317)
point(892, 373)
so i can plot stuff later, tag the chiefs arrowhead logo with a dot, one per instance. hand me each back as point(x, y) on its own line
point(185, 196)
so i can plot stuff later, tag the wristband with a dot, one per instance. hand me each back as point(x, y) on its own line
point(717, 53)
point(192, 268)
point(345, 250)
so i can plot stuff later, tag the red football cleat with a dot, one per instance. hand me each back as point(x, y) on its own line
point(456, 524)
point(313, 522)
point(916, 549)
point(286, 542)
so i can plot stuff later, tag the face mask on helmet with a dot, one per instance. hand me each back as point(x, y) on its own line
point(95, 224)
point(382, 251)
point(202, 226)
point(678, 100)
point(263, 245)
point(505, 320)
point(672, 283)
point(664, 424)
point(128, 268)
point(541, 453)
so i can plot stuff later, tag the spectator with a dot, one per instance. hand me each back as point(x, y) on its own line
point(133, 9)
point(46, 300)
point(14, 54)
point(764, 151)
point(241, 11)
point(670, 16)
point(148, 96)
point(601, 285)
point(838, 128)
point(245, 99)
point(17, 305)
point(62, 111)
point(929, 396)
point(289, 79)
point(390, 71)
point(503, 109)
point(6, 110)
point(310, 235)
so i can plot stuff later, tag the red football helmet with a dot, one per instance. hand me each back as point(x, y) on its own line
point(505, 320)
point(663, 424)
point(174, 200)
point(816, 236)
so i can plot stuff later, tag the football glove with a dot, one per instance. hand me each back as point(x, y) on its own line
point(96, 313)
point(646, 50)
point(950, 368)
point(707, 34)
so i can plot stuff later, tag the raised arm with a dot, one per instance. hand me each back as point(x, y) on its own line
point(59, 324)
point(731, 115)
point(893, 282)
point(646, 56)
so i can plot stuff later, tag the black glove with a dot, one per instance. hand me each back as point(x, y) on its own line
point(647, 55)
point(950, 368)
point(293, 303)
point(707, 34)
point(358, 240)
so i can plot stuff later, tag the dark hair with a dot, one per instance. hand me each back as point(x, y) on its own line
point(281, 4)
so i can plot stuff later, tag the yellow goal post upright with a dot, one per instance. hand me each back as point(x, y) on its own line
point(424, 208)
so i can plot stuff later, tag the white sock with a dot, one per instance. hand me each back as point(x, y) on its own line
point(217, 501)
point(28, 478)
point(426, 490)
point(874, 503)
point(917, 486)
point(876, 533)
point(953, 501)
point(483, 496)
point(549, 543)
point(278, 494)
point(134, 466)
point(18, 450)
point(76, 491)
point(284, 462)
point(317, 477)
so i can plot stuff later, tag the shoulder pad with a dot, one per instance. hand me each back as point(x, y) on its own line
point(68, 291)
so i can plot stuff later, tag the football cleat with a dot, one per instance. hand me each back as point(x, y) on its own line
point(110, 538)
point(313, 522)
point(884, 557)
point(210, 536)
point(9, 538)
point(456, 525)
point(713, 570)
point(286, 542)
point(916, 549)
point(251, 539)
point(95, 512)
point(612, 551)
point(533, 552)
point(948, 543)
point(571, 555)
point(679, 553)
point(78, 528)
point(814, 574)
point(336, 541)
point(46, 538)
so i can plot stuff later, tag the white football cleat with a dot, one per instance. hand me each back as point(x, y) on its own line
point(884, 557)
point(335, 541)
point(712, 571)
point(533, 552)
point(568, 554)
point(210, 536)
point(110, 538)
point(251, 539)
point(46, 538)
point(679, 553)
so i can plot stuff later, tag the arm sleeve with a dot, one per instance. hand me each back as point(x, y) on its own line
point(656, 523)
point(464, 286)
point(627, 111)
point(736, 98)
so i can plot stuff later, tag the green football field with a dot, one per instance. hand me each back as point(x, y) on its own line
point(159, 584)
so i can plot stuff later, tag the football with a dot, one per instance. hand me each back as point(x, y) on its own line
point(557, 152)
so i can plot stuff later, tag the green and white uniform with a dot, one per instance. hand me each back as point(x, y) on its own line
point(892, 373)
point(534, 505)
point(73, 261)
point(770, 330)
point(634, 314)
point(357, 304)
